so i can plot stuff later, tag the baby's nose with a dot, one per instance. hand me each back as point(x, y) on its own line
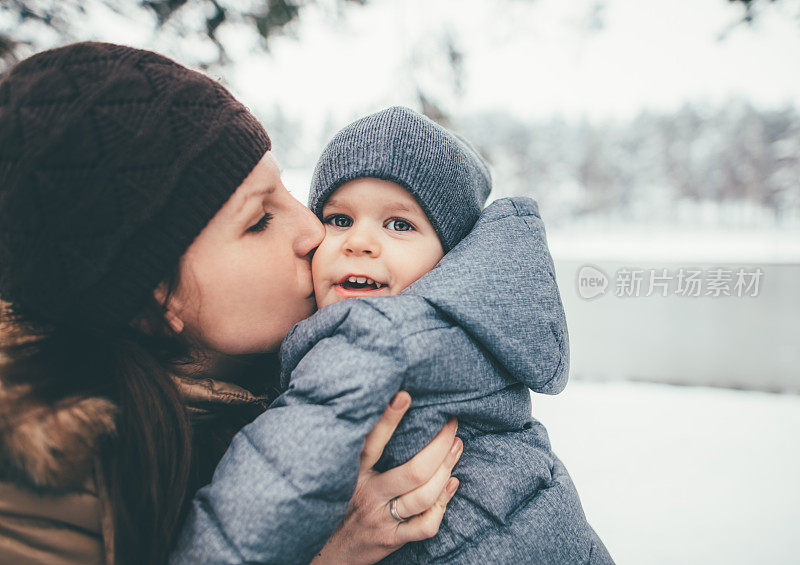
point(360, 242)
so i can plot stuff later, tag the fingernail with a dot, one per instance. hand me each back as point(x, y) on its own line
point(452, 484)
point(398, 401)
point(456, 446)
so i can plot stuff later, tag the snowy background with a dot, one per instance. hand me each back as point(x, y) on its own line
point(676, 475)
point(655, 135)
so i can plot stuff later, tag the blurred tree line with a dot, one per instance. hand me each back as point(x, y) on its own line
point(659, 167)
point(60, 20)
point(641, 169)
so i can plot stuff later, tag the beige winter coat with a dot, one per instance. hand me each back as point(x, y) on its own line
point(53, 506)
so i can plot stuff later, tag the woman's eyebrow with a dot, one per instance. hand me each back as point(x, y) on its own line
point(245, 208)
point(260, 192)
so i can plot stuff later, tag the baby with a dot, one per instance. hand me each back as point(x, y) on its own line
point(455, 305)
point(396, 192)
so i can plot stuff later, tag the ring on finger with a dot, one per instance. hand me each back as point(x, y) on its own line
point(393, 511)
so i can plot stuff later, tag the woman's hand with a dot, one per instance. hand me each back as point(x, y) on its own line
point(422, 486)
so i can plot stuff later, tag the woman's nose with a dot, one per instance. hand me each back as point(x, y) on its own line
point(360, 241)
point(310, 231)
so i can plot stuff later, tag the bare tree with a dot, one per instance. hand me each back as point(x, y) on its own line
point(59, 18)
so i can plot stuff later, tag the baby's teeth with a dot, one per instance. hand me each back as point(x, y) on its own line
point(352, 279)
point(361, 280)
point(370, 281)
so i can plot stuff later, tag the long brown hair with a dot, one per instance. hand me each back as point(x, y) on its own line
point(147, 464)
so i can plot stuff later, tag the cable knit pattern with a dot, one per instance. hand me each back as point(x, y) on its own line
point(112, 160)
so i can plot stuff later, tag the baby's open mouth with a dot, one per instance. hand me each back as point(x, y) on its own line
point(354, 282)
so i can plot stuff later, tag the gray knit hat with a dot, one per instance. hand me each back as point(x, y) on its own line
point(440, 169)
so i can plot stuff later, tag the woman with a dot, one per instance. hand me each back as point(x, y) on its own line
point(151, 262)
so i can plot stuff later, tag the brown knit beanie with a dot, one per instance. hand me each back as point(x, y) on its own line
point(112, 160)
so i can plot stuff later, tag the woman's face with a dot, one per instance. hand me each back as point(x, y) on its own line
point(246, 279)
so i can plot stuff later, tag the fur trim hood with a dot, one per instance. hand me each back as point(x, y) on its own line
point(51, 446)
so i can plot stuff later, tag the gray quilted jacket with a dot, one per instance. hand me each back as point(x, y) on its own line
point(469, 340)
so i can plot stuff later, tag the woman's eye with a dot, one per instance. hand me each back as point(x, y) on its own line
point(261, 224)
point(398, 224)
point(339, 221)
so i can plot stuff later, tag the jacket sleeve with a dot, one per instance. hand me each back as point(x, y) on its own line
point(287, 478)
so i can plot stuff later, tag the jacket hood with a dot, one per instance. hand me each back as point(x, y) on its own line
point(506, 296)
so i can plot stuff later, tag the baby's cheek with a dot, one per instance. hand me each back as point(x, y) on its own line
point(315, 269)
point(321, 260)
point(320, 274)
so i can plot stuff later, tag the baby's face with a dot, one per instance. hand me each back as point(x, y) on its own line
point(377, 242)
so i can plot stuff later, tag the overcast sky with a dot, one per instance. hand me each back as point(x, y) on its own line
point(537, 58)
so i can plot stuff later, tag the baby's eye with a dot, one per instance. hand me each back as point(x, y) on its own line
point(399, 224)
point(339, 221)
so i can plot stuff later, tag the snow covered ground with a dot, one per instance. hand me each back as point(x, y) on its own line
point(679, 474)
